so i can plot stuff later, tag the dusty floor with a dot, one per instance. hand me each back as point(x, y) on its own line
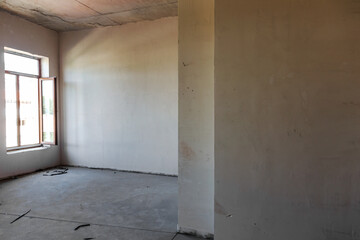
point(117, 205)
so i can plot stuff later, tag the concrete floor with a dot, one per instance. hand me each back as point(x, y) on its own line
point(117, 205)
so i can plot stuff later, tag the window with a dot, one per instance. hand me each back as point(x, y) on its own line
point(30, 102)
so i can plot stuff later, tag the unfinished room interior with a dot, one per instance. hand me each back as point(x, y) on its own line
point(180, 119)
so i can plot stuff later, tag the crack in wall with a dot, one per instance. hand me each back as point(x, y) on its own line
point(25, 12)
point(58, 23)
point(141, 8)
point(96, 11)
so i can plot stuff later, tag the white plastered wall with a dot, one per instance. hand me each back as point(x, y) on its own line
point(20, 34)
point(120, 97)
point(287, 146)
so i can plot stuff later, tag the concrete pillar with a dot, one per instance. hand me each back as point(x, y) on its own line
point(196, 116)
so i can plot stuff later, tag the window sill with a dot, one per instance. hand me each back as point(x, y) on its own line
point(28, 149)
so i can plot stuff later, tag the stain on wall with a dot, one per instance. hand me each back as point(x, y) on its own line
point(186, 151)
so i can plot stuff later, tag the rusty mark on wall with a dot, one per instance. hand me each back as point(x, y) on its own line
point(219, 209)
point(186, 151)
point(351, 103)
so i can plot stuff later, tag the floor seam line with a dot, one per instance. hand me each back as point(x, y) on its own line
point(80, 222)
point(174, 236)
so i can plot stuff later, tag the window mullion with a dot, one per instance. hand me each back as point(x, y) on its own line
point(40, 111)
point(18, 109)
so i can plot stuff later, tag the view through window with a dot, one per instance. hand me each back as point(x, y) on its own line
point(30, 102)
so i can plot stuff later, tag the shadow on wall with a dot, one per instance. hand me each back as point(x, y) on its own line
point(121, 92)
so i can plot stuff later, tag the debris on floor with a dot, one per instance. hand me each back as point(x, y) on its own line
point(20, 216)
point(88, 238)
point(55, 172)
point(81, 226)
point(100, 198)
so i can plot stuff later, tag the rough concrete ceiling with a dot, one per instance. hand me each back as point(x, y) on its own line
point(67, 15)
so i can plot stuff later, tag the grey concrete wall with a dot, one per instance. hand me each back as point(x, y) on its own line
point(120, 97)
point(22, 35)
point(196, 116)
point(287, 147)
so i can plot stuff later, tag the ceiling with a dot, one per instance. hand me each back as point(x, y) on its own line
point(67, 15)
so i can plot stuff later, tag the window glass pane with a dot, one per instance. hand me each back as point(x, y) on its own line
point(48, 111)
point(29, 111)
point(21, 64)
point(10, 110)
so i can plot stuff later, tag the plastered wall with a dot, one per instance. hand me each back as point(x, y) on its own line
point(120, 97)
point(23, 35)
point(196, 117)
point(287, 145)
